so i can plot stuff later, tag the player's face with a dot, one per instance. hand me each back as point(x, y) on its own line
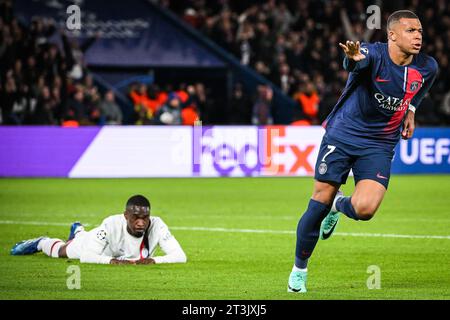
point(408, 35)
point(137, 223)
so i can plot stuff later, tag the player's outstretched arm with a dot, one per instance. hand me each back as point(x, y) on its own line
point(352, 50)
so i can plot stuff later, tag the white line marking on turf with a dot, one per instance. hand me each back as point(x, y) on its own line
point(231, 230)
point(384, 235)
point(40, 223)
point(348, 234)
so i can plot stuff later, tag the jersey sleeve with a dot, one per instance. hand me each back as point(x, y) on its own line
point(95, 244)
point(169, 245)
point(428, 81)
point(367, 49)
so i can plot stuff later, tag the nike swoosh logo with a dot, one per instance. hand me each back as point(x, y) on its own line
point(378, 79)
point(294, 290)
point(380, 176)
point(327, 235)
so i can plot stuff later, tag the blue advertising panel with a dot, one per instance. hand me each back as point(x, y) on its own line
point(427, 152)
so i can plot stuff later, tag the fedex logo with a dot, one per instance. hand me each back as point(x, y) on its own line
point(253, 151)
point(284, 156)
point(225, 151)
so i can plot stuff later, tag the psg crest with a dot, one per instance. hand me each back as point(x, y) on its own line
point(414, 86)
point(323, 168)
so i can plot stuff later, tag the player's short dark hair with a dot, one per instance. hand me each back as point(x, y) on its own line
point(397, 15)
point(138, 200)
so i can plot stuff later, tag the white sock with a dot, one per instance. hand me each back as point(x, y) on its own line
point(295, 268)
point(333, 206)
point(50, 246)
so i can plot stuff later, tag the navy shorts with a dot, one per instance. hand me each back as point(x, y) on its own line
point(336, 158)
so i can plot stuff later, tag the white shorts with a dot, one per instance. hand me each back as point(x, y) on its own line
point(75, 246)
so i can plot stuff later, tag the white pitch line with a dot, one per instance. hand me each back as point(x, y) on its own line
point(384, 235)
point(232, 230)
point(40, 223)
point(347, 234)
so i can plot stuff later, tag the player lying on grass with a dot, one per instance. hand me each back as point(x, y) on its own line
point(128, 238)
point(386, 84)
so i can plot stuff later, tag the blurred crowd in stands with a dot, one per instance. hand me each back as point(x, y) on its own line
point(294, 44)
point(44, 81)
point(154, 105)
point(42, 84)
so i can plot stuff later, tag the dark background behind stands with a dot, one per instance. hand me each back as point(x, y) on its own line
point(294, 44)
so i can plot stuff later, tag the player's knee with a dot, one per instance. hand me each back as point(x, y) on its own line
point(365, 210)
point(322, 198)
point(365, 215)
point(62, 252)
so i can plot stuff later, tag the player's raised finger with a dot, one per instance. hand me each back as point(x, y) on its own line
point(344, 47)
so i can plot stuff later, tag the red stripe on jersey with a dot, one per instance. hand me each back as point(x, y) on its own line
point(142, 248)
point(414, 82)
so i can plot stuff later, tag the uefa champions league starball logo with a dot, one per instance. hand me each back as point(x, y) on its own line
point(101, 234)
point(364, 50)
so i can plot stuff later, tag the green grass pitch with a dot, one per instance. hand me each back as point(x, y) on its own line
point(209, 217)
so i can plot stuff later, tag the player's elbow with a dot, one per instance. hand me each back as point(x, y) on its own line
point(174, 257)
point(182, 258)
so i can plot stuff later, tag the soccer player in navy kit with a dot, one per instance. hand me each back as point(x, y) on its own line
point(387, 82)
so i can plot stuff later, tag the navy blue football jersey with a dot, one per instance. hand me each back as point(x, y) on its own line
point(377, 95)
